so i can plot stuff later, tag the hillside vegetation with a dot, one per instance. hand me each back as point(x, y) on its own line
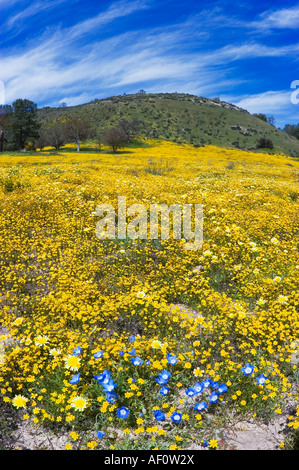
point(179, 118)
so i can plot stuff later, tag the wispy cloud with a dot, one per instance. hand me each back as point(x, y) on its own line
point(34, 9)
point(78, 61)
point(285, 18)
point(276, 103)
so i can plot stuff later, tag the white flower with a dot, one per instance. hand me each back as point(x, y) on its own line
point(140, 294)
point(282, 299)
point(41, 340)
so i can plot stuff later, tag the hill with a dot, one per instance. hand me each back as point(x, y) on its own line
point(179, 118)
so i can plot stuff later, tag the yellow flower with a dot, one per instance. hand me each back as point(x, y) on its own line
point(72, 362)
point(213, 444)
point(140, 294)
point(156, 344)
point(41, 340)
point(68, 446)
point(79, 403)
point(19, 401)
point(92, 444)
point(282, 299)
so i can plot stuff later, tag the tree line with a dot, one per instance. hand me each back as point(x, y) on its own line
point(20, 129)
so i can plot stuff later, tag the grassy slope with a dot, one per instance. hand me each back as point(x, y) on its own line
point(179, 118)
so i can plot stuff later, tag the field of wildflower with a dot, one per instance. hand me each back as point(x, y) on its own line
point(141, 344)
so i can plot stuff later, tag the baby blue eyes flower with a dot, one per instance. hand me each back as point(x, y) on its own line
point(136, 361)
point(200, 406)
point(104, 377)
point(109, 386)
point(191, 391)
point(76, 351)
point(214, 385)
point(75, 379)
point(176, 417)
point(261, 379)
point(171, 359)
point(98, 354)
point(132, 338)
point(247, 369)
point(123, 412)
point(222, 388)
point(198, 387)
point(100, 434)
point(121, 353)
point(214, 397)
point(163, 377)
point(132, 352)
point(159, 415)
point(111, 397)
point(147, 363)
point(206, 383)
point(164, 390)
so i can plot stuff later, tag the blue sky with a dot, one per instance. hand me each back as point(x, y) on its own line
point(75, 51)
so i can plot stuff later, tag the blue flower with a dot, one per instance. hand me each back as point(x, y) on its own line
point(147, 363)
point(133, 351)
point(206, 383)
point(100, 434)
point(191, 391)
point(215, 384)
point(109, 386)
point(121, 353)
point(163, 377)
point(200, 406)
point(123, 412)
point(76, 351)
point(222, 388)
point(198, 387)
point(136, 361)
point(247, 369)
point(111, 397)
point(98, 354)
point(104, 377)
point(214, 397)
point(261, 379)
point(159, 415)
point(176, 417)
point(132, 338)
point(75, 379)
point(172, 359)
point(164, 390)
point(204, 443)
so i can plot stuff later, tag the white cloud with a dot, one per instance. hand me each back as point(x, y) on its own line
point(277, 103)
point(31, 11)
point(286, 18)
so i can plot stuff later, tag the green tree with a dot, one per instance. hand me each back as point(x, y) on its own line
point(292, 129)
point(24, 123)
point(5, 124)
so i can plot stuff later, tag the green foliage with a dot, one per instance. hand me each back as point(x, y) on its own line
point(179, 118)
point(24, 123)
